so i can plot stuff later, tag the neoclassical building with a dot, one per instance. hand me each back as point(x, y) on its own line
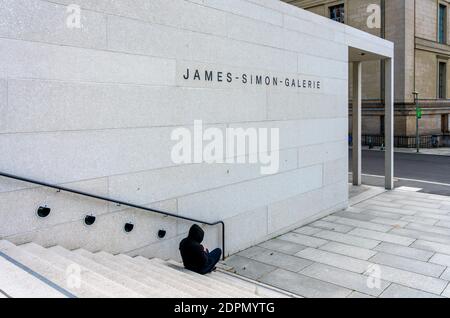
point(419, 29)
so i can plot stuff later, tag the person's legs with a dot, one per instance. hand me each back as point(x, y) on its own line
point(215, 255)
point(213, 259)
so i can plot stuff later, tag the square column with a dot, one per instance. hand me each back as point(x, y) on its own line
point(389, 124)
point(357, 119)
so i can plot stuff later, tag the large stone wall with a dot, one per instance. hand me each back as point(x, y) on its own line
point(426, 65)
point(94, 109)
point(400, 30)
point(426, 19)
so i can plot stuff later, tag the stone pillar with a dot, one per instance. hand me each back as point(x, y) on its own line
point(357, 119)
point(389, 124)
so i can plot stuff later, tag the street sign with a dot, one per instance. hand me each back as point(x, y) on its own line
point(419, 112)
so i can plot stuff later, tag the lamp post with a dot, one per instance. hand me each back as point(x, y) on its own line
point(418, 115)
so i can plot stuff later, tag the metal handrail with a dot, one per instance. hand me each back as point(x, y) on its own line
point(118, 202)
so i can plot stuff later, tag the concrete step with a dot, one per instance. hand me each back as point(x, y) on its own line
point(207, 280)
point(200, 279)
point(30, 270)
point(253, 287)
point(261, 290)
point(194, 289)
point(87, 275)
point(145, 264)
point(114, 275)
point(47, 270)
point(165, 289)
point(17, 283)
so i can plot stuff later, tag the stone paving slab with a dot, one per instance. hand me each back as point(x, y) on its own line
point(445, 224)
point(359, 295)
point(375, 201)
point(252, 252)
point(398, 291)
point(446, 292)
point(279, 260)
point(432, 246)
point(330, 218)
point(355, 216)
point(248, 268)
point(408, 264)
point(404, 251)
point(441, 259)
point(324, 225)
point(426, 210)
point(399, 240)
point(446, 275)
point(285, 247)
point(419, 220)
point(384, 237)
point(348, 250)
point(413, 280)
point(303, 239)
point(336, 260)
point(390, 222)
point(354, 209)
point(303, 285)
point(429, 229)
point(364, 225)
point(307, 230)
point(363, 193)
point(386, 215)
point(438, 217)
point(353, 281)
point(416, 204)
point(391, 210)
point(419, 235)
point(348, 239)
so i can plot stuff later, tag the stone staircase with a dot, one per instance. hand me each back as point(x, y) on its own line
point(31, 271)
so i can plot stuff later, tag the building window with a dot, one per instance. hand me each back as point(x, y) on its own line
point(382, 125)
point(337, 13)
point(444, 124)
point(442, 80)
point(442, 24)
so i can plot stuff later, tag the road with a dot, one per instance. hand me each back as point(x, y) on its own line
point(427, 172)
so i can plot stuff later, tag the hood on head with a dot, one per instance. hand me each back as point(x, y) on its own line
point(196, 233)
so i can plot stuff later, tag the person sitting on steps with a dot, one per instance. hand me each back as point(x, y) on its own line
point(195, 257)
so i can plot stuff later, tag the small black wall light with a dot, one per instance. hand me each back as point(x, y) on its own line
point(162, 234)
point(89, 220)
point(43, 211)
point(129, 227)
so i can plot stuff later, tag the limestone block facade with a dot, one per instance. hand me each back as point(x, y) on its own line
point(93, 108)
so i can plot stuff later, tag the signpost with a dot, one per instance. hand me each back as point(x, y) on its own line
point(418, 116)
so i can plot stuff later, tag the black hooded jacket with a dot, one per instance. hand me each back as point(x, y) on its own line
point(193, 253)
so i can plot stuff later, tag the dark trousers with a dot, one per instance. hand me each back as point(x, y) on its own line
point(213, 259)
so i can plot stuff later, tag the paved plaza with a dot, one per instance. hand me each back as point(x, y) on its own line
point(388, 245)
